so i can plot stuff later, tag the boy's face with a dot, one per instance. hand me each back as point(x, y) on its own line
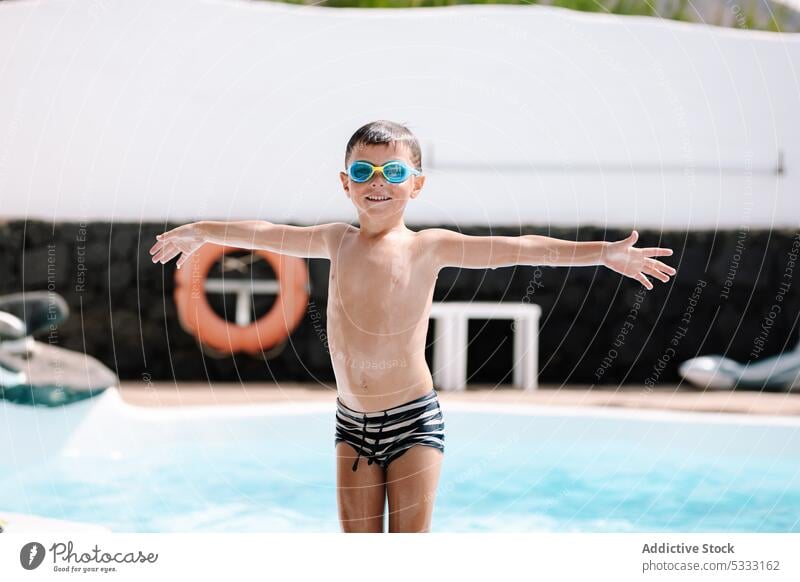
point(360, 193)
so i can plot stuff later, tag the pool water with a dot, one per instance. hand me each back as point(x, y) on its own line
point(500, 473)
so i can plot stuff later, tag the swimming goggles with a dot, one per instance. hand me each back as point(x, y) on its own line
point(395, 171)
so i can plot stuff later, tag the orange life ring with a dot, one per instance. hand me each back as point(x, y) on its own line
point(198, 318)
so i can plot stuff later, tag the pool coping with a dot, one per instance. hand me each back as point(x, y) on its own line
point(668, 404)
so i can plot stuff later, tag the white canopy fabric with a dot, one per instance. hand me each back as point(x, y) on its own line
point(181, 110)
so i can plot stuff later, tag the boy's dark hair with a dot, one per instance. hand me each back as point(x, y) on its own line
point(385, 132)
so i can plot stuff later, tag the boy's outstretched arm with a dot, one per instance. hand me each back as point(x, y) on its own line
point(453, 249)
point(296, 241)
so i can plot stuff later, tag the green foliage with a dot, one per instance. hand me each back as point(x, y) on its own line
point(583, 5)
point(682, 10)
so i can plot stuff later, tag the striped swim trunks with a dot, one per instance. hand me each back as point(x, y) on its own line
point(384, 435)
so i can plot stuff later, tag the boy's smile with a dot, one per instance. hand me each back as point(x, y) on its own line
point(380, 203)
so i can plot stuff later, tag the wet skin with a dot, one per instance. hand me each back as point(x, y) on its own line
point(382, 276)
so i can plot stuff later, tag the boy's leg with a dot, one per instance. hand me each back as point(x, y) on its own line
point(360, 494)
point(411, 481)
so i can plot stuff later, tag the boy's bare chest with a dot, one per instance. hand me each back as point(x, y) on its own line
point(359, 270)
point(378, 276)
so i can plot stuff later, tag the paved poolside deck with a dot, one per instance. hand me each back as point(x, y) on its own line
point(662, 398)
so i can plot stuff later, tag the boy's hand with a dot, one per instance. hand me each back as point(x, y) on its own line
point(620, 256)
point(185, 239)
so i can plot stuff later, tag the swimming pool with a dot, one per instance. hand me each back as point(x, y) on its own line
point(517, 468)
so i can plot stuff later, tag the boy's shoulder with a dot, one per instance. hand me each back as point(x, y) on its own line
point(433, 241)
point(333, 232)
point(430, 235)
point(338, 228)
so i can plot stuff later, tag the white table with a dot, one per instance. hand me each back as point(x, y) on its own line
point(451, 340)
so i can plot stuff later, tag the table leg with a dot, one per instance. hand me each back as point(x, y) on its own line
point(460, 339)
point(519, 353)
point(531, 356)
point(441, 353)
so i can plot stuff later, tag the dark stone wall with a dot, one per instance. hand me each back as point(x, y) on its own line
point(597, 327)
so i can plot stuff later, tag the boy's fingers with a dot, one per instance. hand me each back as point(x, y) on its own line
point(658, 252)
point(657, 274)
point(663, 267)
point(660, 266)
point(168, 256)
point(158, 255)
point(643, 280)
point(666, 268)
point(156, 246)
point(165, 254)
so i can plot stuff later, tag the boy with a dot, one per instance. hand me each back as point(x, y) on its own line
point(380, 290)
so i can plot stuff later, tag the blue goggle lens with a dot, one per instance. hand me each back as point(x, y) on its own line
point(360, 171)
point(394, 172)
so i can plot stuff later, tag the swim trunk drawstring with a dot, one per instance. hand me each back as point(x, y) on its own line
point(421, 421)
point(361, 446)
point(378, 438)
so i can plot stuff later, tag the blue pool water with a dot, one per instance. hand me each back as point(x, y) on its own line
point(500, 473)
